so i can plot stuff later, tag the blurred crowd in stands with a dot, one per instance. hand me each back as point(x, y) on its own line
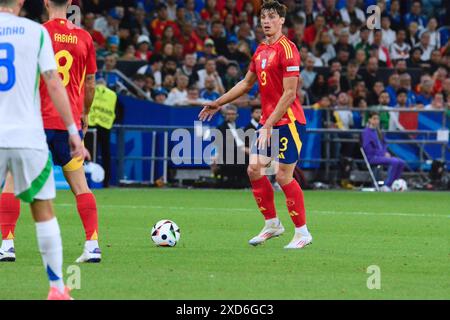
point(195, 50)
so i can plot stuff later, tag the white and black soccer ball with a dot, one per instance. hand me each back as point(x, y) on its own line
point(165, 233)
point(399, 185)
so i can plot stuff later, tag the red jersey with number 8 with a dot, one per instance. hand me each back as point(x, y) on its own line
point(75, 58)
point(272, 63)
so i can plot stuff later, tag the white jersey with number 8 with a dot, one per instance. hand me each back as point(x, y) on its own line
point(25, 52)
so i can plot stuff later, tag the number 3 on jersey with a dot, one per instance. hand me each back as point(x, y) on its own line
point(263, 78)
point(7, 56)
point(64, 69)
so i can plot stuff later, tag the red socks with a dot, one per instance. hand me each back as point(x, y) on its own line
point(87, 208)
point(295, 203)
point(264, 196)
point(9, 214)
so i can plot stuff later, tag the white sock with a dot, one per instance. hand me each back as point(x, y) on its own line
point(272, 222)
point(91, 245)
point(50, 246)
point(303, 230)
point(7, 244)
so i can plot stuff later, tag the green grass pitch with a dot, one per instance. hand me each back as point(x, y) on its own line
point(407, 235)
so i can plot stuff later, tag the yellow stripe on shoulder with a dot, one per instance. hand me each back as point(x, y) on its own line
point(286, 49)
point(287, 46)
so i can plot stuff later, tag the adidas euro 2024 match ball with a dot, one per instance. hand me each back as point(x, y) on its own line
point(165, 233)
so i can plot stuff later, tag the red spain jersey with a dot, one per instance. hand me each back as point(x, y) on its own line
point(75, 58)
point(272, 63)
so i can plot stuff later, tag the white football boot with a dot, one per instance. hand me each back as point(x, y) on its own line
point(8, 256)
point(270, 230)
point(94, 256)
point(299, 241)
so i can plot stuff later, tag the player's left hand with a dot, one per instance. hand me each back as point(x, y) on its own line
point(208, 111)
point(264, 135)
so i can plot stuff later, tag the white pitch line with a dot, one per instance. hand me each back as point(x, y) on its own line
point(353, 213)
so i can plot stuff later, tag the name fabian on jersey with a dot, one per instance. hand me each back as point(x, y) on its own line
point(11, 31)
point(65, 38)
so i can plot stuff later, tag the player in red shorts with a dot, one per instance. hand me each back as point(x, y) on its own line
point(276, 67)
point(76, 61)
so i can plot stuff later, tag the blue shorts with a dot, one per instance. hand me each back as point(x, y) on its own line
point(58, 143)
point(286, 143)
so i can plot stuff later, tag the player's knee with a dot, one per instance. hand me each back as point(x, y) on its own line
point(253, 171)
point(283, 177)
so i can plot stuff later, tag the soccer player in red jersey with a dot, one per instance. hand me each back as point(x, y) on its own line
point(76, 61)
point(276, 67)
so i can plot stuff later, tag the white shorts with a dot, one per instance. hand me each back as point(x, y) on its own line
point(32, 171)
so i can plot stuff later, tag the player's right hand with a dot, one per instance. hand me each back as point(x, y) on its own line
point(76, 146)
point(208, 111)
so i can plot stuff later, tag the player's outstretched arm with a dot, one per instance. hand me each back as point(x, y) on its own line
point(242, 87)
point(89, 93)
point(58, 94)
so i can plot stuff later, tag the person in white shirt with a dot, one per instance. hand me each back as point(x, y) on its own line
point(178, 95)
point(400, 49)
point(210, 70)
point(435, 36)
point(389, 35)
point(351, 12)
point(308, 74)
point(26, 53)
point(425, 46)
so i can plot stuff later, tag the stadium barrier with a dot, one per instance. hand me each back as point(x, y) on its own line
point(141, 152)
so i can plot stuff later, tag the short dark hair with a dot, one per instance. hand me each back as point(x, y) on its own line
point(274, 5)
point(373, 114)
point(256, 108)
point(59, 3)
point(7, 2)
point(402, 90)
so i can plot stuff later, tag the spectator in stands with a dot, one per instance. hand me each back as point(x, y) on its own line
point(188, 67)
point(208, 11)
point(172, 9)
point(331, 14)
point(426, 93)
point(109, 25)
point(375, 148)
point(200, 35)
point(438, 102)
point(97, 37)
point(160, 96)
point(193, 97)
point(395, 15)
point(344, 44)
point(108, 73)
point(154, 67)
point(139, 22)
point(129, 54)
point(351, 77)
point(400, 49)
point(354, 33)
point(425, 46)
point(415, 15)
point(371, 74)
point(178, 95)
point(405, 83)
point(361, 57)
point(374, 94)
point(324, 49)
point(159, 24)
point(308, 14)
point(402, 99)
point(234, 54)
point(143, 51)
point(168, 51)
point(415, 58)
point(168, 82)
point(169, 66)
point(208, 52)
point(381, 51)
point(209, 92)
point(435, 60)
point(308, 74)
point(255, 118)
point(383, 104)
point(400, 66)
point(112, 47)
point(167, 37)
point(231, 151)
point(191, 15)
point(392, 88)
point(388, 34)
point(218, 36)
point(435, 36)
point(149, 86)
point(313, 32)
point(210, 70)
point(232, 76)
point(413, 34)
point(364, 41)
point(352, 13)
